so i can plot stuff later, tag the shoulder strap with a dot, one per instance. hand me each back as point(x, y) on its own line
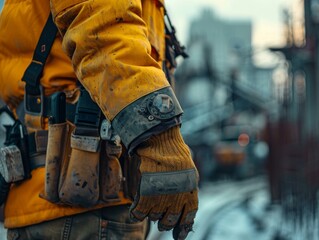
point(33, 73)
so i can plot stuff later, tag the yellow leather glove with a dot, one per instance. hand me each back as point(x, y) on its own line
point(168, 183)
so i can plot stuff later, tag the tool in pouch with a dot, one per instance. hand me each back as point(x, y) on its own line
point(77, 173)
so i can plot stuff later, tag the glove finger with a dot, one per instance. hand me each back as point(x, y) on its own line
point(180, 232)
point(173, 213)
point(159, 209)
point(155, 216)
point(169, 221)
point(190, 210)
point(142, 207)
point(137, 216)
point(185, 224)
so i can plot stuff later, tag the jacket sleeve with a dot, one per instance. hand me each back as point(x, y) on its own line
point(108, 44)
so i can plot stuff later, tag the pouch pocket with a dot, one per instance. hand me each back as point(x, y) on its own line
point(11, 164)
point(79, 183)
point(57, 152)
point(110, 171)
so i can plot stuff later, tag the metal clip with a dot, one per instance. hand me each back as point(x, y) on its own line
point(106, 130)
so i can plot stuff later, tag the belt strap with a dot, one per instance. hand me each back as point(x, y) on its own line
point(47, 111)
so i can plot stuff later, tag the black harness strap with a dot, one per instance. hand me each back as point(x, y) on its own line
point(34, 71)
point(33, 98)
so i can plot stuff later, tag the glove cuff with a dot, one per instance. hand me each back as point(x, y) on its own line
point(166, 165)
point(168, 149)
point(170, 138)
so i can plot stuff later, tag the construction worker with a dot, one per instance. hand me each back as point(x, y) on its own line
point(118, 159)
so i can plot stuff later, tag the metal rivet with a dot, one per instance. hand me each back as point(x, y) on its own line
point(38, 100)
point(163, 103)
point(151, 118)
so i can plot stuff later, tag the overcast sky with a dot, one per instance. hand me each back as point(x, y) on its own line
point(266, 17)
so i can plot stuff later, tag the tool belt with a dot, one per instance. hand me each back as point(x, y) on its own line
point(80, 170)
point(82, 165)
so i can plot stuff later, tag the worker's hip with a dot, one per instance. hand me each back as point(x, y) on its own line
point(105, 223)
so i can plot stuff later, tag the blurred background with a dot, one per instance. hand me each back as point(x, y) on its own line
point(249, 90)
point(249, 93)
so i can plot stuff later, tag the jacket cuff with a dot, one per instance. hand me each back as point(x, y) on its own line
point(147, 116)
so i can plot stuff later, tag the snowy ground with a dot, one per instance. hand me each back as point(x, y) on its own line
point(241, 211)
point(3, 232)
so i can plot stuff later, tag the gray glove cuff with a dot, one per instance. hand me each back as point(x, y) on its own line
point(156, 111)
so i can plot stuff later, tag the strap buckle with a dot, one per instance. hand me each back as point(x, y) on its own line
point(34, 104)
point(87, 115)
point(32, 75)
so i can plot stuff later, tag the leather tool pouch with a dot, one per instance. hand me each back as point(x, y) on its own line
point(111, 171)
point(79, 185)
point(11, 165)
point(56, 158)
point(14, 160)
point(11, 169)
point(81, 170)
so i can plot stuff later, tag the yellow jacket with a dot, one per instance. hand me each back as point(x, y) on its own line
point(116, 48)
